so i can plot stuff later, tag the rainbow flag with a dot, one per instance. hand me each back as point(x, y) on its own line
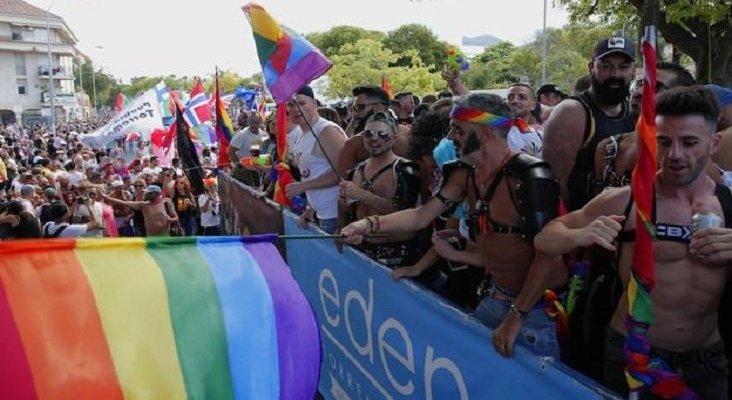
point(641, 371)
point(288, 60)
point(224, 128)
point(164, 318)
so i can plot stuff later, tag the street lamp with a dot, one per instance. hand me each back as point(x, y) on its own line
point(52, 87)
point(94, 81)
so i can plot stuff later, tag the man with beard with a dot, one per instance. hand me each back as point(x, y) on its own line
point(406, 107)
point(382, 184)
point(577, 124)
point(367, 100)
point(521, 101)
point(510, 198)
point(691, 270)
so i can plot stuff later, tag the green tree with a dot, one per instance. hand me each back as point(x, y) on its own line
point(331, 41)
point(699, 29)
point(364, 62)
point(432, 51)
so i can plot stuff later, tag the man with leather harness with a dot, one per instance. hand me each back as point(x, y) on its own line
point(382, 184)
point(691, 270)
point(511, 198)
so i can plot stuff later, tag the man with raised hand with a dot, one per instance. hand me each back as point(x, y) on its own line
point(510, 198)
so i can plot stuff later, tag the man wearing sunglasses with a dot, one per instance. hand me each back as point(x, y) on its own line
point(382, 184)
point(367, 101)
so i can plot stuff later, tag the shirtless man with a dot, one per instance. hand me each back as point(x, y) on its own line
point(504, 232)
point(691, 271)
point(382, 184)
point(159, 213)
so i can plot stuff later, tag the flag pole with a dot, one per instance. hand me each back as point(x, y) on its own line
point(317, 140)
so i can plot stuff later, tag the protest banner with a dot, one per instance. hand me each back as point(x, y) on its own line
point(141, 115)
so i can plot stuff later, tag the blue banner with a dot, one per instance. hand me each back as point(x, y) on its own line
point(383, 339)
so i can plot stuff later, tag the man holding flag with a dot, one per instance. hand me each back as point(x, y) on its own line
point(691, 269)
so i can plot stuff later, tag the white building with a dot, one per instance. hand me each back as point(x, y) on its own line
point(24, 69)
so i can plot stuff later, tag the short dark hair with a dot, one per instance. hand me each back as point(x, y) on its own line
point(372, 92)
point(58, 210)
point(683, 76)
point(692, 100)
point(426, 132)
point(402, 94)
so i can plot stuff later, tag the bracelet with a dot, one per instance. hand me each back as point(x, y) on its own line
point(371, 225)
point(514, 309)
point(377, 224)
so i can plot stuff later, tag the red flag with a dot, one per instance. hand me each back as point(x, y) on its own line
point(121, 102)
point(385, 85)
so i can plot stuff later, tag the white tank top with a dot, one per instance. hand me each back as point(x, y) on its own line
point(325, 200)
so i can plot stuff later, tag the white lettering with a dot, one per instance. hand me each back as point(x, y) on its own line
point(430, 366)
point(333, 319)
point(408, 361)
point(368, 314)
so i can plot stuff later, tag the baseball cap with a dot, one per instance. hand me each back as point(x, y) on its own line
point(153, 189)
point(548, 88)
point(306, 91)
point(724, 95)
point(26, 190)
point(372, 91)
point(612, 45)
point(50, 192)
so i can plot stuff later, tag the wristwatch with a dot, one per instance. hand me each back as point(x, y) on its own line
point(515, 309)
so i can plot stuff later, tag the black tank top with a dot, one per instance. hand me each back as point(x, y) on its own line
point(581, 177)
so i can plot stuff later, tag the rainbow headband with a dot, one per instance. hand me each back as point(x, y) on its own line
point(485, 118)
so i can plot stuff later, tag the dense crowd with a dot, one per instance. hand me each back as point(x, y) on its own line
point(519, 209)
point(516, 209)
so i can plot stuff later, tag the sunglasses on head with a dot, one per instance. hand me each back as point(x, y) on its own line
point(362, 106)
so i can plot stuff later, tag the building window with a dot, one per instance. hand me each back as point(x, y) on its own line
point(22, 86)
point(20, 69)
point(16, 33)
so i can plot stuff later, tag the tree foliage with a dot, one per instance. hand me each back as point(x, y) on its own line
point(700, 29)
point(331, 41)
point(421, 39)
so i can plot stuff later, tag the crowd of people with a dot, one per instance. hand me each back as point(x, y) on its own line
point(498, 204)
point(52, 185)
point(501, 204)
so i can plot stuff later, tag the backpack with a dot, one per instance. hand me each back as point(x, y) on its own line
point(56, 234)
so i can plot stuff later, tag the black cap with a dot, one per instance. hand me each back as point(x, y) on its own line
point(612, 45)
point(372, 91)
point(548, 88)
point(306, 91)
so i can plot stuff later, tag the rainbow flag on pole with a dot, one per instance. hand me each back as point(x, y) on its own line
point(224, 127)
point(289, 62)
point(156, 318)
point(641, 371)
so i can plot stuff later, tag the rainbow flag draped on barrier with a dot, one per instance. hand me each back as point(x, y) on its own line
point(224, 128)
point(289, 62)
point(166, 318)
point(641, 371)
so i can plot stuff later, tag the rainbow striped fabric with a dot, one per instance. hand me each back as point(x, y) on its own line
point(288, 60)
point(224, 128)
point(485, 118)
point(168, 318)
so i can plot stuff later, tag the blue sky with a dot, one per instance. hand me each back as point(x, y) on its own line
point(159, 37)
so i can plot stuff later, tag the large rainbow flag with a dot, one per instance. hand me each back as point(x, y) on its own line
point(167, 318)
point(224, 128)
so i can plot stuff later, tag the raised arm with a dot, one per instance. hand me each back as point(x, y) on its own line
point(135, 205)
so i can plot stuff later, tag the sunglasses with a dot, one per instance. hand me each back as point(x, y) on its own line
point(383, 135)
point(362, 106)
